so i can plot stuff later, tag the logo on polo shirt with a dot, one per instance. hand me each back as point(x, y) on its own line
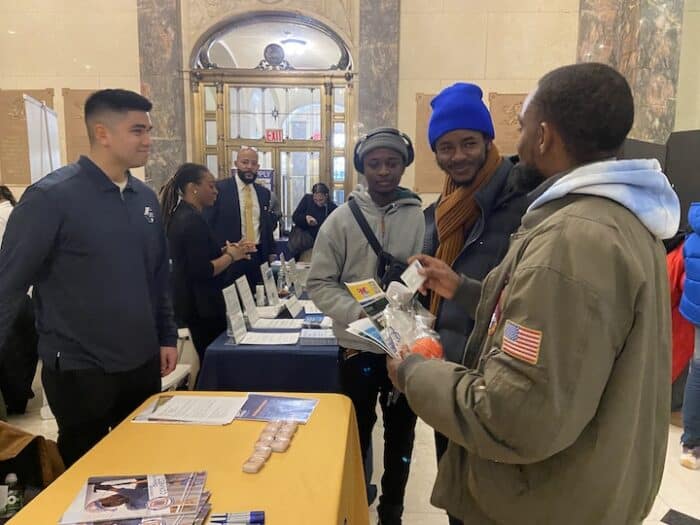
point(148, 213)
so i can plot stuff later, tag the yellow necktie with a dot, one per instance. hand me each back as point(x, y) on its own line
point(248, 213)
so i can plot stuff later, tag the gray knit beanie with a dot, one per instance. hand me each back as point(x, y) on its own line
point(379, 138)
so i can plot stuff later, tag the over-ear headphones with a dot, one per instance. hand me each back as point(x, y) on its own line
point(357, 162)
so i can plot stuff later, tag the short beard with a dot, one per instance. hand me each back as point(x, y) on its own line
point(527, 177)
point(241, 173)
point(482, 163)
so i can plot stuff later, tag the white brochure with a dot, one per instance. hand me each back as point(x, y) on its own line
point(273, 297)
point(251, 310)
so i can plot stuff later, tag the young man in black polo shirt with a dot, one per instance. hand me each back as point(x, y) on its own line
point(89, 238)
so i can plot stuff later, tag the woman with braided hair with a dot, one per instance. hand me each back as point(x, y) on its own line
point(200, 265)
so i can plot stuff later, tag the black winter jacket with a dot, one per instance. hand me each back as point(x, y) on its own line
point(502, 202)
point(307, 206)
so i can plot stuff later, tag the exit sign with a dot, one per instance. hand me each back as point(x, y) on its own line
point(274, 135)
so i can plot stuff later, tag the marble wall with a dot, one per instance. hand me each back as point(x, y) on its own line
point(160, 63)
point(504, 46)
point(642, 39)
point(50, 44)
point(378, 68)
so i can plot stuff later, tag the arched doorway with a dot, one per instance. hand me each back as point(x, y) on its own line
point(282, 84)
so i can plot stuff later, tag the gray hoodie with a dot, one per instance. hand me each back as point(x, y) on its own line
point(342, 254)
point(638, 184)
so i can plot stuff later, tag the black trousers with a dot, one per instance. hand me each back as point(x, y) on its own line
point(363, 378)
point(203, 331)
point(18, 359)
point(440, 448)
point(89, 403)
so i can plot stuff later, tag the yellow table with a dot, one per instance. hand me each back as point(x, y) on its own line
point(319, 480)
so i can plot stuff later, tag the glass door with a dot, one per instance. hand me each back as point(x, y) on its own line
point(299, 171)
point(297, 124)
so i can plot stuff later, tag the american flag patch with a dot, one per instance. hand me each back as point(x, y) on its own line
point(521, 343)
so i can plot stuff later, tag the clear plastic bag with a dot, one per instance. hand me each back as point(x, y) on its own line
point(409, 324)
point(426, 341)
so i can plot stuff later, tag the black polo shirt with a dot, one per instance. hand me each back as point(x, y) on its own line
point(98, 261)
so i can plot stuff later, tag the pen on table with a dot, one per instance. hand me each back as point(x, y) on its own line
point(255, 517)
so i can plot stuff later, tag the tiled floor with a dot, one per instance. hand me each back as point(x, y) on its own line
point(680, 488)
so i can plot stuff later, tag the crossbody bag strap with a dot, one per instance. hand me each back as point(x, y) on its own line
point(364, 226)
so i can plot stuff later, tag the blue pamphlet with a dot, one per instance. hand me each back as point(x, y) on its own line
point(313, 320)
point(260, 407)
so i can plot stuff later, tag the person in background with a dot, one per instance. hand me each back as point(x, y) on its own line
point(243, 213)
point(563, 401)
point(690, 309)
point(312, 211)
point(342, 254)
point(7, 202)
point(18, 356)
point(199, 263)
point(682, 330)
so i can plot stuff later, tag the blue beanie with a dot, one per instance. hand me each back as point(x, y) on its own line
point(459, 107)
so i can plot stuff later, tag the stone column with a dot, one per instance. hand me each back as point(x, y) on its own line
point(640, 38)
point(160, 56)
point(378, 69)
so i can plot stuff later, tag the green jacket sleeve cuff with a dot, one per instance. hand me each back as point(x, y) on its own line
point(467, 295)
point(405, 369)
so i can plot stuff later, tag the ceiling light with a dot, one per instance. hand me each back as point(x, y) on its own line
point(293, 46)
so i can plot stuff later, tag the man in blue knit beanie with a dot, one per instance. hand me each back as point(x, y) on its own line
point(467, 229)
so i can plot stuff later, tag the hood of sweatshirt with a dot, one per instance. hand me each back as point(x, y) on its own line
point(637, 184)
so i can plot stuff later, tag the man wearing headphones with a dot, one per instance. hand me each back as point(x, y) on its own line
point(342, 254)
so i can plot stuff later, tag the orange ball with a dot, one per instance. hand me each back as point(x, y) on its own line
point(428, 347)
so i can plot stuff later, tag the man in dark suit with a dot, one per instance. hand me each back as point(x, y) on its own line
point(242, 211)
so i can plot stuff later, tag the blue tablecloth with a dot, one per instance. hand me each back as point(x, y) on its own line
point(286, 368)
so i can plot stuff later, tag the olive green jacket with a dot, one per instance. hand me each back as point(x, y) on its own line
point(561, 413)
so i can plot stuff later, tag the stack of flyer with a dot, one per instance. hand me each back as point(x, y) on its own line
point(389, 322)
point(372, 299)
point(365, 329)
point(141, 499)
point(317, 321)
point(373, 327)
point(265, 407)
point(193, 410)
point(317, 337)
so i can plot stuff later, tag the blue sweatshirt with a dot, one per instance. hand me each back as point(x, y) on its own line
point(690, 300)
point(98, 261)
